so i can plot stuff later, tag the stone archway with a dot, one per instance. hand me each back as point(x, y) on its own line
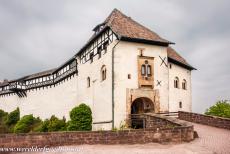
point(142, 105)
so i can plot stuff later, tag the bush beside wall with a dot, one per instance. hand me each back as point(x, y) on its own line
point(81, 120)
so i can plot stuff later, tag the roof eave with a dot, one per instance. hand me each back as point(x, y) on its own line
point(152, 42)
point(94, 37)
point(181, 64)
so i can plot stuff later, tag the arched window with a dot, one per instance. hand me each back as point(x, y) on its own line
point(88, 82)
point(184, 84)
point(143, 70)
point(103, 73)
point(149, 70)
point(176, 82)
point(180, 104)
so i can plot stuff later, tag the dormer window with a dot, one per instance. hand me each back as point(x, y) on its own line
point(98, 28)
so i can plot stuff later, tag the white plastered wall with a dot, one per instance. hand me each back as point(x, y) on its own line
point(126, 54)
point(58, 100)
point(177, 95)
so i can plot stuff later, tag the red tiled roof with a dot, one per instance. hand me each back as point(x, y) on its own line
point(175, 56)
point(127, 27)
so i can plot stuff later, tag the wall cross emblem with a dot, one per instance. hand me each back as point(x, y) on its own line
point(158, 83)
point(163, 61)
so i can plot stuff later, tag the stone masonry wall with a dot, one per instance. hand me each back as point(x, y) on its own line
point(205, 119)
point(141, 136)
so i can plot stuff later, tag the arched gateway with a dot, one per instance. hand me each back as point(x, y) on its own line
point(142, 105)
point(139, 106)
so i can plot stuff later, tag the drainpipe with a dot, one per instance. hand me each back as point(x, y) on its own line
point(113, 49)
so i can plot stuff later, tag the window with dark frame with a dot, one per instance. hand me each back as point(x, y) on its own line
point(176, 82)
point(129, 76)
point(105, 45)
point(184, 84)
point(99, 49)
point(180, 104)
point(103, 73)
point(91, 57)
point(88, 82)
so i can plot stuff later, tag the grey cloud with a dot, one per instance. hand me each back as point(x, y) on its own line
point(39, 35)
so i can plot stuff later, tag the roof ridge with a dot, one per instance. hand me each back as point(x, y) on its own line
point(127, 27)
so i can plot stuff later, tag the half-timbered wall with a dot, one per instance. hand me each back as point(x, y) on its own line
point(71, 84)
point(57, 93)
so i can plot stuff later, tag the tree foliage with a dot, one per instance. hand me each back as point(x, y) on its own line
point(13, 117)
point(81, 118)
point(26, 124)
point(221, 109)
point(56, 124)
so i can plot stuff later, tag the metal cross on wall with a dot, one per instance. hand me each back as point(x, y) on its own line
point(163, 61)
point(158, 83)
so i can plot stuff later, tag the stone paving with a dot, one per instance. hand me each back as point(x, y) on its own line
point(211, 141)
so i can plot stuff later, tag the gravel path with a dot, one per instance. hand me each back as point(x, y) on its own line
point(211, 141)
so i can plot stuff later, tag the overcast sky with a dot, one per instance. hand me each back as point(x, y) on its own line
point(39, 35)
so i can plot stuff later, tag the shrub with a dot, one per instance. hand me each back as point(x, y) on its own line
point(56, 125)
point(3, 127)
point(71, 126)
point(221, 109)
point(13, 117)
point(24, 125)
point(3, 114)
point(43, 127)
point(81, 118)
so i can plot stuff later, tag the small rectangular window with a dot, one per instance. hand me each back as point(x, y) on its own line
point(143, 70)
point(105, 45)
point(91, 57)
point(129, 76)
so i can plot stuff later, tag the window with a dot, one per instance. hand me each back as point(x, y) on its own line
point(91, 57)
point(180, 104)
point(148, 70)
point(88, 82)
point(184, 84)
point(105, 45)
point(143, 70)
point(103, 73)
point(176, 82)
point(99, 49)
point(129, 76)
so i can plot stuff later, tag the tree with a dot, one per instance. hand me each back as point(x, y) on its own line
point(221, 109)
point(13, 117)
point(81, 118)
point(26, 124)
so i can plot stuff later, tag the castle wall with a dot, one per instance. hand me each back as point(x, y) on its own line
point(58, 100)
point(177, 95)
point(126, 54)
point(99, 94)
